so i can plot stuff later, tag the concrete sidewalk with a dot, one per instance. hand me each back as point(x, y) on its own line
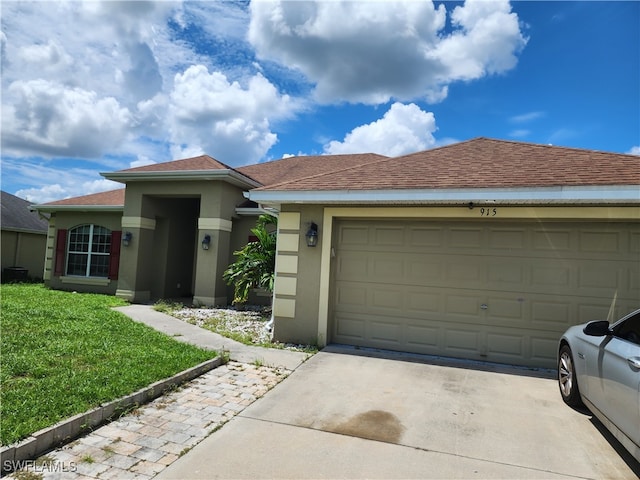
point(192, 334)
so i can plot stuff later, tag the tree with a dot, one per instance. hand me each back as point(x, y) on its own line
point(255, 263)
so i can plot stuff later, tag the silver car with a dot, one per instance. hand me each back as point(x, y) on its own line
point(599, 367)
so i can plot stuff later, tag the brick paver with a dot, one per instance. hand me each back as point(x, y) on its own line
point(144, 442)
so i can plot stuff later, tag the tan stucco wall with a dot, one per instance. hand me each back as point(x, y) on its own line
point(303, 277)
point(25, 250)
point(68, 220)
point(298, 276)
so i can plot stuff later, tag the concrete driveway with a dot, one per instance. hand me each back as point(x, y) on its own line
point(347, 415)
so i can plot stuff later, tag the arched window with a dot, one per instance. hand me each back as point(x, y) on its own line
point(88, 251)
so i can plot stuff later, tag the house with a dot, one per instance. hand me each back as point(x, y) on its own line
point(24, 238)
point(485, 249)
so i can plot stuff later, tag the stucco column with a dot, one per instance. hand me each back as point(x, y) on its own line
point(135, 259)
point(209, 287)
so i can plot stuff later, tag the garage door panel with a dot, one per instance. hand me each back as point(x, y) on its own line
point(550, 315)
point(350, 328)
point(463, 307)
point(465, 238)
point(505, 310)
point(601, 275)
point(634, 242)
point(545, 275)
point(389, 267)
point(424, 270)
point(543, 350)
point(601, 242)
point(424, 335)
point(633, 280)
point(351, 295)
point(421, 237)
point(352, 267)
point(504, 272)
point(505, 345)
point(551, 241)
point(353, 236)
point(462, 341)
point(463, 269)
point(387, 331)
point(503, 239)
point(421, 285)
point(388, 236)
point(422, 301)
point(386, 298)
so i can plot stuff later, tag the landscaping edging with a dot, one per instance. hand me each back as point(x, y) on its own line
point(42, 441)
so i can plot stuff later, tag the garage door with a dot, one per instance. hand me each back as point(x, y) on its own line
point(500, 292)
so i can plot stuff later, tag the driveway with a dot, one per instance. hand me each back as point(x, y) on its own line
point(345, 414)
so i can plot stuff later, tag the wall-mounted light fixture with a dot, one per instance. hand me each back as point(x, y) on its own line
point(126, 238)
point(206, 241)
point(312, 235)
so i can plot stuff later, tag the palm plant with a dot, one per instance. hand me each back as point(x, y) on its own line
point(255, 263)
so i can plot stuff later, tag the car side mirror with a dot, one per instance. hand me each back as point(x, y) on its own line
point(599, 328)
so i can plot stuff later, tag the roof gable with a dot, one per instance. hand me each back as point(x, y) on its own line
point(200, 163)
point(479, 163)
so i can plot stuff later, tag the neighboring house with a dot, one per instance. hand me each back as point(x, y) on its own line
point(24, 238)
point(485, 249)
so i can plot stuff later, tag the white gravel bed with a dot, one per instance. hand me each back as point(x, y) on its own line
point(252, 321)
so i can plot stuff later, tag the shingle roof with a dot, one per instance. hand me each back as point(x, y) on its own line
point(479, 163)
point(17, 216)
point(295, 168)
point(476, 163)
point(112, 198)
point(203, 162)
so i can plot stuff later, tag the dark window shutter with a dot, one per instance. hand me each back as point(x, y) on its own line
point(61, 247)
point(114, 255)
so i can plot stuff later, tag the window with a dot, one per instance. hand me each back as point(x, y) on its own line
point(88, 251)
point(629, 329)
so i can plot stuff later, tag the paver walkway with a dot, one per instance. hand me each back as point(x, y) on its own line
point(141, 444)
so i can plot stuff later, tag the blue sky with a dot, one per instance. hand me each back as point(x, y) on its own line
point(90, 87)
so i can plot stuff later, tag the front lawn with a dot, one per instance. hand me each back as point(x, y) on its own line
point(65, 353)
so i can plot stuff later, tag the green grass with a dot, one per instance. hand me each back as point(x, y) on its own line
point(64, 353)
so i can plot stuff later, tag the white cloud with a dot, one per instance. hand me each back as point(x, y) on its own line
point(403, 129)
point(635, 150)
point(46, 182)
point(47, 118)
point(225, 119)
point(520, 133)
point(373, 51)
point(526, 117)
point(50, 193)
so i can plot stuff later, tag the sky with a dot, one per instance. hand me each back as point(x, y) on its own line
point(101, 86)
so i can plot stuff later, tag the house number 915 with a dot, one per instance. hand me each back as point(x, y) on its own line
point(488, 212)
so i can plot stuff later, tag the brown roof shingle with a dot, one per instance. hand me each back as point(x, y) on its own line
point(112, 198)
point(479, 163)
point(295, 168)
point(203, 162)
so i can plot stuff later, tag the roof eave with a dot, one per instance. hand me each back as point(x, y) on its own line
point(24, 230)
point(76, 208)
point(231, 176)
point(565, 195)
